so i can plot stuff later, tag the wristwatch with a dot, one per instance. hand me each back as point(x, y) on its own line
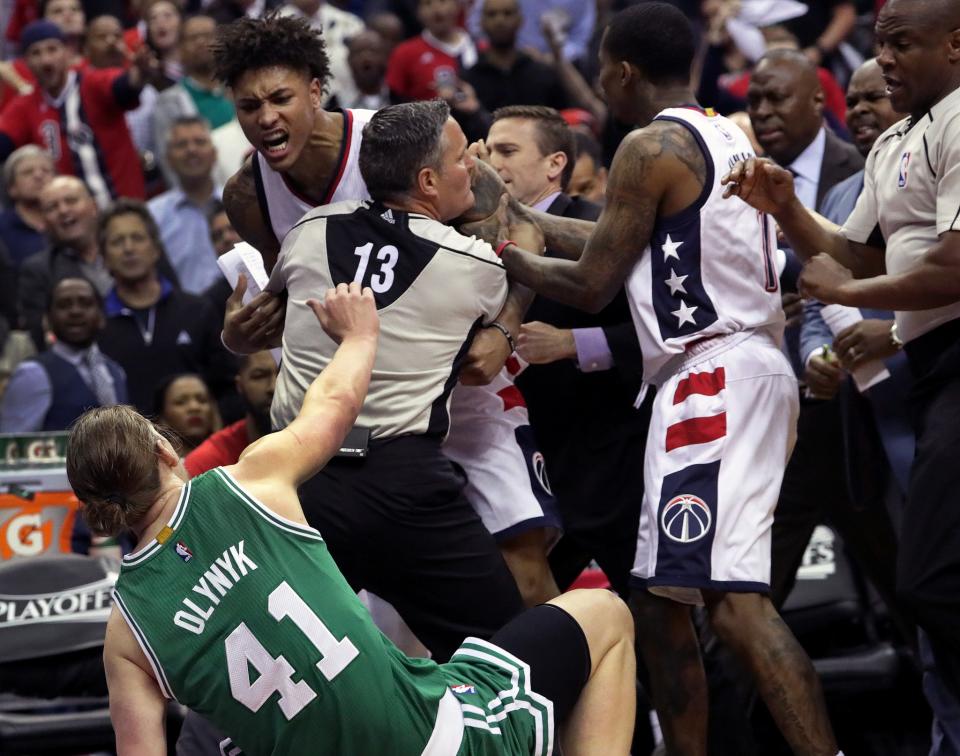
point(895, 338)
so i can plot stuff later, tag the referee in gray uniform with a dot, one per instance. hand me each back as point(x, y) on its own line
point(396, 520)
point(900, 250)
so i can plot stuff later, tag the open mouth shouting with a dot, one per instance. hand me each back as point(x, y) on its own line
point(275, 145)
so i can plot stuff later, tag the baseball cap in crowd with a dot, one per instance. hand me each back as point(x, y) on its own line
point(38, 31)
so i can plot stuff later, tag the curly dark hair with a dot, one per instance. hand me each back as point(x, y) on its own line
point(249, 44)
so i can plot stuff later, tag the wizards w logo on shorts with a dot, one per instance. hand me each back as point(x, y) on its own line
point(688, 501)
point(685, 519)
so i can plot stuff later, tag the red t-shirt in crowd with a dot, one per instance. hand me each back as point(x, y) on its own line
point(222, 448)
point(84, 130)
point(417, 68)
point(7, 92)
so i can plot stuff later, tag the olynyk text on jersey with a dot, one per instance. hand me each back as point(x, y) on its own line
point(213, 585)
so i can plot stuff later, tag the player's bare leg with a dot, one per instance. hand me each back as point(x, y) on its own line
point(785, 677)
point(601, 723)
point(668, 643)
point(526, 556)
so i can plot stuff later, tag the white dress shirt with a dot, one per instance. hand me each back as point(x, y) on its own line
point(806, 170)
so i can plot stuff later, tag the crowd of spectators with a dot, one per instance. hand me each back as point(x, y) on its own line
point(117, 141)
point(110, 100)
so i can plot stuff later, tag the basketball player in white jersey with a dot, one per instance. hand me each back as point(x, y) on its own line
point(306, 157)
point(704, 295)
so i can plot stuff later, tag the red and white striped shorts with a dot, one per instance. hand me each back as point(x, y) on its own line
point(723, 428)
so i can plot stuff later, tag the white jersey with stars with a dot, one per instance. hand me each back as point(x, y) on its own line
point(709, 270)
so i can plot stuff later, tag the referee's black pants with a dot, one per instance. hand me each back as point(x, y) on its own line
point(928, 565)
point(398, 524)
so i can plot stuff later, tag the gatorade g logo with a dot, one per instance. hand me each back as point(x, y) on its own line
point(41, 526)
point(26, 534)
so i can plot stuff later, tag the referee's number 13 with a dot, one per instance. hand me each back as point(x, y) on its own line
point(276, 673)
point(387, 256)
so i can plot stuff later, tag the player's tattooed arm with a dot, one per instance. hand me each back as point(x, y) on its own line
point(564, 236)
point(654, 169)
point(243, 210)
point(487, 189)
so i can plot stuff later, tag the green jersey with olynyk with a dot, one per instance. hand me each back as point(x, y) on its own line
point(246, 619)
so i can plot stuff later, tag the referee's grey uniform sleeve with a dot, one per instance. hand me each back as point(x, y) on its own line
point(309, 235)
point(491, 280)
point(864, 219)
point(948, 178)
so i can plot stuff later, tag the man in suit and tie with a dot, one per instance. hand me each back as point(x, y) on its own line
point(48, 392)
point(585, 369)
point(869, 114)
point(785, 104)
point(584, 374)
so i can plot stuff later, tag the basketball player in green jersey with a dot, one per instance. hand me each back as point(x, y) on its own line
point(231, 605)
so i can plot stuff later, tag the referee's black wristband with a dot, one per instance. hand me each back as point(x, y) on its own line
point(505, 331)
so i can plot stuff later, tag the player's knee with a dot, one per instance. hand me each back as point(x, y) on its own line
point(615, 610)
point(601, 613)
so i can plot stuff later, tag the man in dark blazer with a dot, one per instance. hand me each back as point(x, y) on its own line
point(584, 374)
point(785, 104)
point(51, 390)
point(878, 437)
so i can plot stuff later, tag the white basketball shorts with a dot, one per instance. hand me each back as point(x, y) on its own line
point(491, 439)
point(723, 428)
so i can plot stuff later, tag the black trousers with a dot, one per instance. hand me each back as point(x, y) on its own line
point(928, 565)
point(599, 490)
point(397, 523)
point(816, 487)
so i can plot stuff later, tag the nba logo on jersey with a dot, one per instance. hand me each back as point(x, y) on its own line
point(183, 552)
point(724, 133)
point(463, 689)
point(904, 168)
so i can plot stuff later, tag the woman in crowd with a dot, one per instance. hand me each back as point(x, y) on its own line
point(183, 403)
